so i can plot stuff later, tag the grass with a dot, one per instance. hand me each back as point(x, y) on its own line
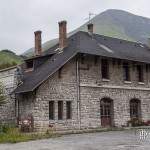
point(13, 135)
point(8, 59)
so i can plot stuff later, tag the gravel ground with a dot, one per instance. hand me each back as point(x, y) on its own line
point(112, 140)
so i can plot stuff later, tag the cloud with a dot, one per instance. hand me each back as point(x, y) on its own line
point(20, 18)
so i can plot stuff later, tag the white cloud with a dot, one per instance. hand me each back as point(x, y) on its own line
point(20, 18)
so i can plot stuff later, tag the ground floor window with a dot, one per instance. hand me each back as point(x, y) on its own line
point(51, 110)
point(135, 108)
point(60, 110)
point(68, 110)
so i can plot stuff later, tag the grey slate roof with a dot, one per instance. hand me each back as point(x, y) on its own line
point(83, 42)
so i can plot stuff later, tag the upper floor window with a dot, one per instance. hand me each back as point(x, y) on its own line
point(105, 68)
point(126, 72)
point(140, 73)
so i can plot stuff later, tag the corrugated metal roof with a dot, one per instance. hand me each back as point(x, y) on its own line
point(83, 42)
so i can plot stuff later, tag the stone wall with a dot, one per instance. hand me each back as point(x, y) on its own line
point(90, 104)
point(7, 110)
point(86, 113)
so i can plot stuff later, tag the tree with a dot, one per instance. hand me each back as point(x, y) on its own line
point(2, 94)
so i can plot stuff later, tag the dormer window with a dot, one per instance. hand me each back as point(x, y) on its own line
point(29, 65)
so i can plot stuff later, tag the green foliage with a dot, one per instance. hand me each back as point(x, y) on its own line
point(10, 134)
point(2, 95)
point(134, 122)
point(7, 65)
point(4, 128)
point(9, 59)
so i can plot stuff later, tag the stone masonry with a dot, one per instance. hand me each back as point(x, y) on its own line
point(7, 110)
point(85, 88)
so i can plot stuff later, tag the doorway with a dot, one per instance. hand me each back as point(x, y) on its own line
point(106, 107)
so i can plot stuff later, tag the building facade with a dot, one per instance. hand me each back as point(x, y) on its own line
point(93, 82)
point(62, 102)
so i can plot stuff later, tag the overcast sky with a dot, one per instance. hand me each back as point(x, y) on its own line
point(20, 18)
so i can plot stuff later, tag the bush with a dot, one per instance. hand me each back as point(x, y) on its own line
point(136, 122)
point(4, 128)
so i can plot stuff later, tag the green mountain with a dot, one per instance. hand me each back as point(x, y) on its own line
point(113, 23)
point(8, 59)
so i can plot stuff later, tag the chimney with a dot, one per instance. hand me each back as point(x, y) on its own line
point(90, 28)
point(38, 43)
point(62, 34)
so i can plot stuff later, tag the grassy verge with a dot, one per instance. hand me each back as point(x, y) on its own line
point(13, 135)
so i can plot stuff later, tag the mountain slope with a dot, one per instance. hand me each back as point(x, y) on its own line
point(114, 23)
point(8, 59)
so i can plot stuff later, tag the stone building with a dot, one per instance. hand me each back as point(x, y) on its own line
point(8, 81)
point(85, 81)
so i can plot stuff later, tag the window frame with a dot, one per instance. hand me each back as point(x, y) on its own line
point(28, 63)
point(105, 69)
point(140, 73)
point(126, 72)
point(60, 110)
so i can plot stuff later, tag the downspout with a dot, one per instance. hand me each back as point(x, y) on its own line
point(17, 109)
point(78, 92)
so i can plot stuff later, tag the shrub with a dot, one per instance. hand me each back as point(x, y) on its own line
point(4, 128)
point(135, 122)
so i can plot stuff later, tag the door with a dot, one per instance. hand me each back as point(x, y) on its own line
point(106, 112)
point(135, 109)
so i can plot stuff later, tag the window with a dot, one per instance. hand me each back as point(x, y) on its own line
point(29, 64)
point(82, 58)
point(126, 72)
point(105, 69)
point(60, 110)
point(135, 108)
point(60, 73)
point(95, 60)
point(68, 110)
point(51, 110)
point(140, 73)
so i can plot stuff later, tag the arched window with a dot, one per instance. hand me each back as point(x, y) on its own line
point(106, 107)
point(135, 108)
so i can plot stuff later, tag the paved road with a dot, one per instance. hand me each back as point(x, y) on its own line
point(114, 140)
